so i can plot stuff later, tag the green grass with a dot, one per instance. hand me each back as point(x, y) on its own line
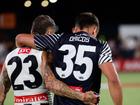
point(131, 95)
point(9, 98)
point(130, 77)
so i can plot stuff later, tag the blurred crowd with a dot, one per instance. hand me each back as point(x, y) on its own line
point(126, 49)
point(6, 45)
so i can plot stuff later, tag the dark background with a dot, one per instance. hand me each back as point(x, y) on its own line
point(111, 13)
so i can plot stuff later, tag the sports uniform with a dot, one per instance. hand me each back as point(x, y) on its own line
point(77, 58)
point(23, 67)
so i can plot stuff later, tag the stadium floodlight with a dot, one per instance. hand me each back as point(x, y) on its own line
point(53, 1)
point(44, 3)
point(27, 3)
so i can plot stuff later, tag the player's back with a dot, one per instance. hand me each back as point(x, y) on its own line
point(76, 64)
point(23, 66)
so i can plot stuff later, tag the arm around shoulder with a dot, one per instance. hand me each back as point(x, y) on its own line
point(62, 89)
point(25, 40)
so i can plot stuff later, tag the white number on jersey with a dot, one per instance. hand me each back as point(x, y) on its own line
point(32, 70)
point(80, 60)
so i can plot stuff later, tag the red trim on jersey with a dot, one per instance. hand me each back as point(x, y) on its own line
point(77, 88)
point(31, 98)
point(24, 50)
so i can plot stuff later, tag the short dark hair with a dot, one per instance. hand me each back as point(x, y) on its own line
point(86, 19)
point(41, 23)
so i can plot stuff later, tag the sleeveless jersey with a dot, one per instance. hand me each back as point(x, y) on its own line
point(23, 67)
point(76, 61)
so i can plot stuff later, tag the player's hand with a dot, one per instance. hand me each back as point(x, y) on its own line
point(49, 82)
point(91, 98)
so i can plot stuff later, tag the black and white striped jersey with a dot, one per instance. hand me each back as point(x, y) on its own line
point(76, 62)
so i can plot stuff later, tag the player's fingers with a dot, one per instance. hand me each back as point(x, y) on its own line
point(96, 98)
point(49, 85)
point(47, 78)
point(91, 98)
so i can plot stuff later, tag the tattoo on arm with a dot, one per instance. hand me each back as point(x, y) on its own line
point(60, 88)
point(4, 84)
point(56, 86)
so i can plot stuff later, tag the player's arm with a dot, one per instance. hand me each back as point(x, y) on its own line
point(113, 82)
point(108, 68)
point(60, 88)
point(4, 84)
point(25, 40)
point(38, 41)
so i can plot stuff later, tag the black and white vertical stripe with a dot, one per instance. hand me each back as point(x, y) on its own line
point(106, 54)
point(46, 41)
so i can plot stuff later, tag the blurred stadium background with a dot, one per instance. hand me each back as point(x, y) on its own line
point(119, 25)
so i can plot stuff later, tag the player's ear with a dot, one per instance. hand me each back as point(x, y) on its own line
point(50, 31)
point(75, 29)
point(94, 31)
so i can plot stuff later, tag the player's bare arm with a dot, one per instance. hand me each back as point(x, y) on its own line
point(25, 40)
point(60, 88)
point(4, 84)
point(113, 82)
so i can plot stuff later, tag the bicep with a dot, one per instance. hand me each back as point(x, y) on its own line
point(25, 40)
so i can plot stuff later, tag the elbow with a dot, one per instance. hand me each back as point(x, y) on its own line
point(114, 81)
point(19, 40)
